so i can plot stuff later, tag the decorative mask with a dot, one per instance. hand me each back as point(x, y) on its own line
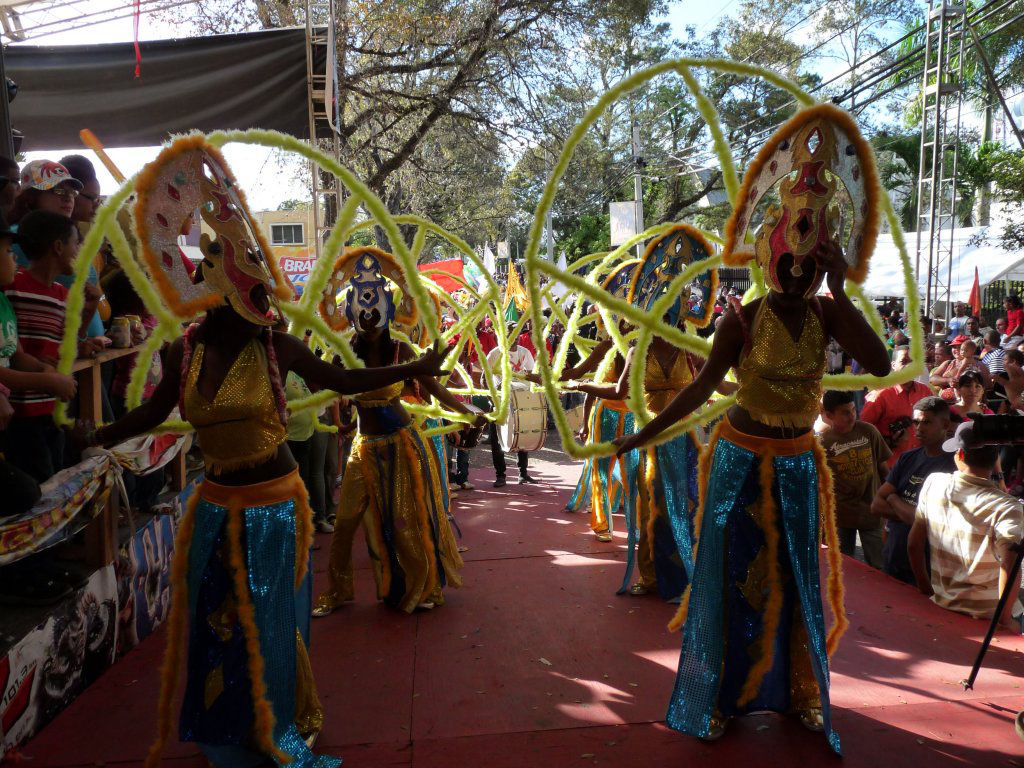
point(362, 276)
point(665, 258)
point(238, 267)
point(806, 159)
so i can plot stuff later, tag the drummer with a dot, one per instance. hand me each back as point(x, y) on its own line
point(521, 361)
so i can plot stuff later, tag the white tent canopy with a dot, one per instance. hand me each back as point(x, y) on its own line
point(972, 247)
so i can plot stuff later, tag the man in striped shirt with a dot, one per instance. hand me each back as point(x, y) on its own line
point(970, 527)
point(993, 355)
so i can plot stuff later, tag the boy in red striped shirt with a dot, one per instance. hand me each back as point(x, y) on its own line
point(50, 241)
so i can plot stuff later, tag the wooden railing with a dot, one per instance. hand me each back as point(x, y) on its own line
point(101, 540)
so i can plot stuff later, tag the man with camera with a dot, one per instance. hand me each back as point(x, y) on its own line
point(970, 527)
point(896, 500)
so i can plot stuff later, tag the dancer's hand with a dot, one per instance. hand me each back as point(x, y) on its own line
point(430, 362)
point(627, 443)
point(830, 258)
point(584, 434)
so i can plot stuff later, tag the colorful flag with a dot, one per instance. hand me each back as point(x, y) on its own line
point(975, 301)
point(514, 292)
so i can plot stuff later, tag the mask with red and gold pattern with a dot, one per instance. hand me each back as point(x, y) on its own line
point(237, 268)
point(824, 175)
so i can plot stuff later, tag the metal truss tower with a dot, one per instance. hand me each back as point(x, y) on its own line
point(322, 100)
point(941, 98)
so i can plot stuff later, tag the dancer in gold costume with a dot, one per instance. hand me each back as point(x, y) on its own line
point(754, 634)
point(667, 475)
point(242, 570)
point(391, 482)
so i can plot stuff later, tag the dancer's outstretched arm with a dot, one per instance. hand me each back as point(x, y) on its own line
point(724, 354)
point(616, 391)
point(295, 356)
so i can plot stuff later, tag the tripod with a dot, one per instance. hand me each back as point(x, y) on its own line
point(1012, 584)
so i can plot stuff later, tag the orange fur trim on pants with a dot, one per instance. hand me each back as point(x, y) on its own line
point(835, 587)
point(653, 509)
point(600, 516)
point(706, 455)
point(176, 625)
point(303, 530)
point(768, 521)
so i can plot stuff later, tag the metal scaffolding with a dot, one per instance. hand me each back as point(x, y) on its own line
point(323, 121)
point(941, 101)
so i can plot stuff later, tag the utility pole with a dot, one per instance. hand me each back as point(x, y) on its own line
point(638, 188)
point(547, 224)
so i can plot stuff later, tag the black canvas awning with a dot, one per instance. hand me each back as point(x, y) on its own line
point(251, 80)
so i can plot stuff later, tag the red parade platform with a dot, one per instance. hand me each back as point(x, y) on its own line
point(536, 662)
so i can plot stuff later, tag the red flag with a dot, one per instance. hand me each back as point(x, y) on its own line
point(975, 301)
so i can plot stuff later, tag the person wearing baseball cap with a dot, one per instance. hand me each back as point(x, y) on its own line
point(47, 186)
point(970, 526)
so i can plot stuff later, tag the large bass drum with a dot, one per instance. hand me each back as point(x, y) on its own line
point(527, 424)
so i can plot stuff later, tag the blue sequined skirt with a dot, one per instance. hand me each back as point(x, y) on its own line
point(730, 589)
point(668, 494)
point(217, 709)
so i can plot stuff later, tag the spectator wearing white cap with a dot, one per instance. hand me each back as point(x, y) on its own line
point(971, 528)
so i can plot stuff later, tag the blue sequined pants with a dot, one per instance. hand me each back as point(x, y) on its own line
point(721, 636)
point(217, 709)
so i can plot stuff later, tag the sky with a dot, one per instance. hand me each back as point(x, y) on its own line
point(264, 190)
point(258, 170)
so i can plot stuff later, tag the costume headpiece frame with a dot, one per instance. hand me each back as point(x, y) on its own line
point(665, 258)
point(188, 175)
point(805, 158)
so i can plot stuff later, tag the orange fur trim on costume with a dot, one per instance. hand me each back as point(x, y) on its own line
point(430, 547)
point(653, 509)
point(836, 589)
point(143, 186)
point(264, 715)
point(303, 529)
point(176, 636)
point(768, 522)
point(859, 270)
point(703, 480)
point(684, 608)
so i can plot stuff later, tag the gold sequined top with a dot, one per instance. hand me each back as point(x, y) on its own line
point(241, 426)
point(779, 378)
point(381, 396)
point(659, 387)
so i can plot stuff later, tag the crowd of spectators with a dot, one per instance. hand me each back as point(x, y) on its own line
point(929, 506)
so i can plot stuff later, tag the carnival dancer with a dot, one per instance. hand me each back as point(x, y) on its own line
point(613, 480)
point(667, 476)
point(391, 483)
point(754, 635)
point(580, 497)
point(242, 567)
